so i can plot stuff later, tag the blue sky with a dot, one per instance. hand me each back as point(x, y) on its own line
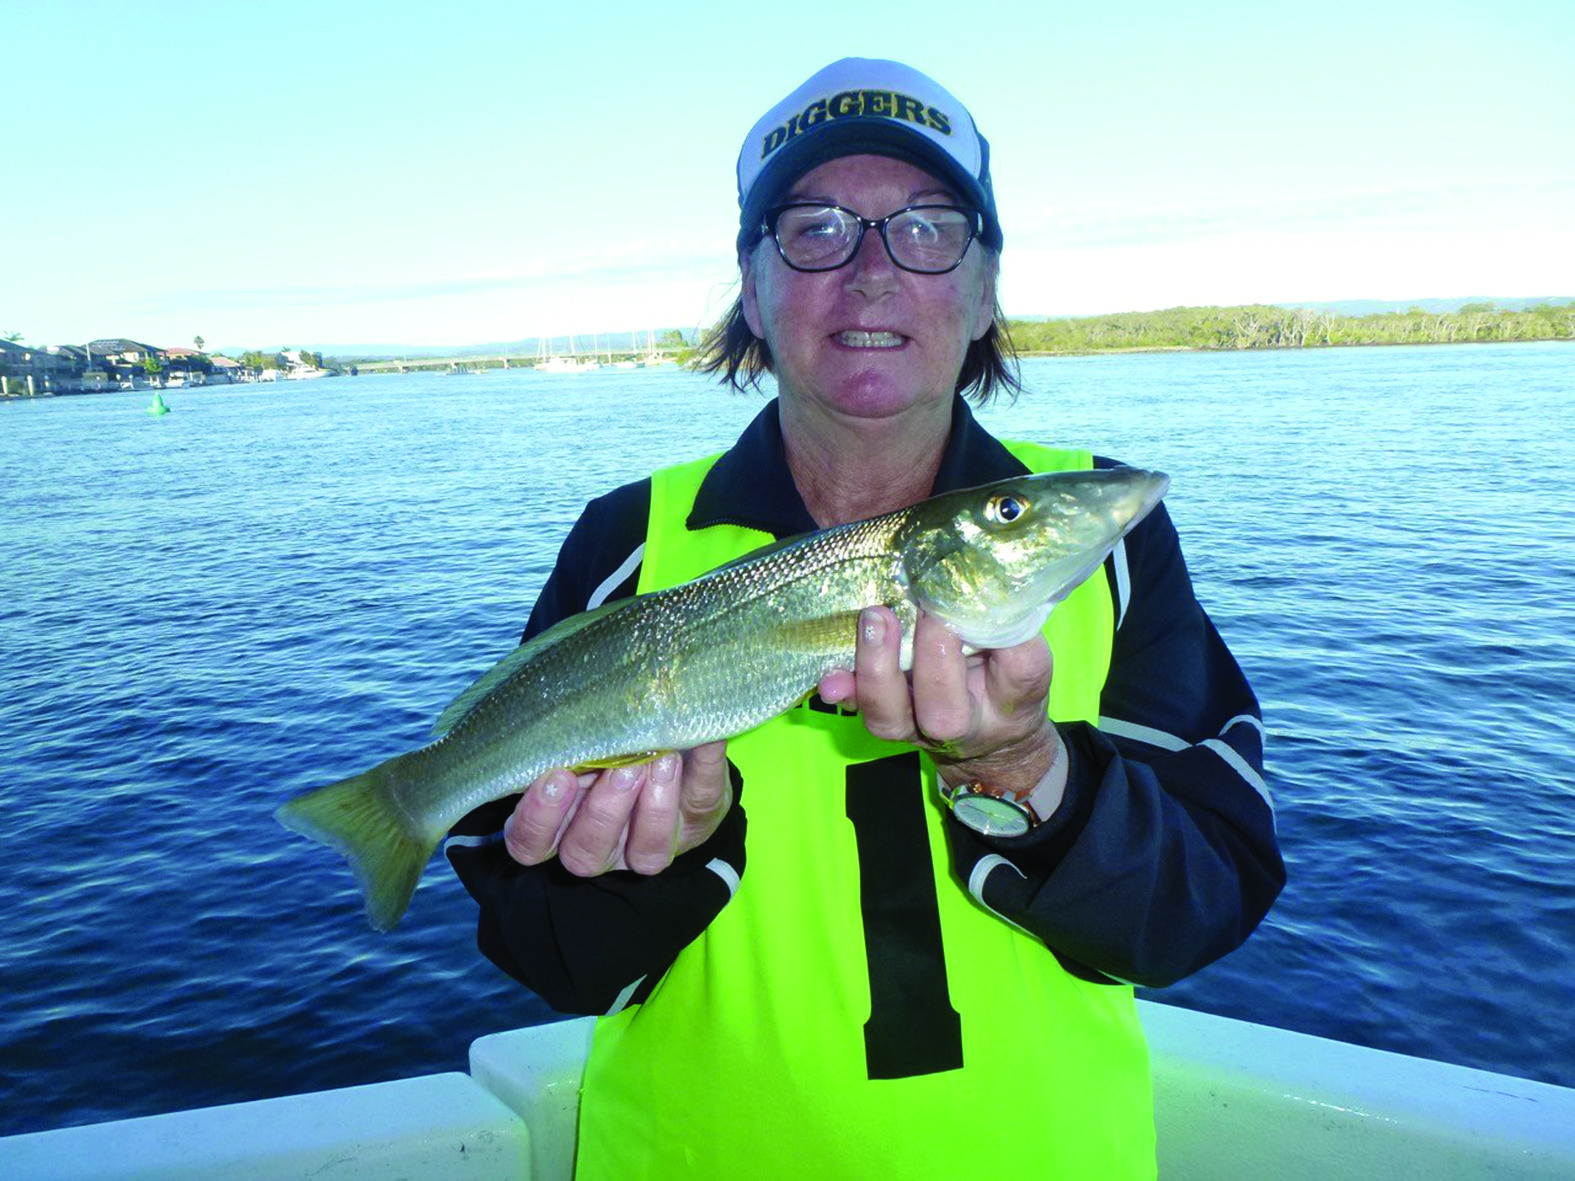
point(272, 174)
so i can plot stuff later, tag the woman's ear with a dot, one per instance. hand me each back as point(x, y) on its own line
point(984, 310)
point(748, 297)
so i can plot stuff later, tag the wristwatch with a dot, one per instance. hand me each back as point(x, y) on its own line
point(990, 812)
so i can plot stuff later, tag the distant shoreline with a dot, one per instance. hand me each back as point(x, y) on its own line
point(1284, 348)
point(444, 364)
point(1264, 326)
point(1240, 328)
point(1193, 329)
point(479, 364)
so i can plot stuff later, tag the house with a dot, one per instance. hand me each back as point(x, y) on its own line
point(118, 351)
point(186, 366)
point(224, 369)
point(25, 369)
point(124, 359)
point(74, 358)
point(78, 372)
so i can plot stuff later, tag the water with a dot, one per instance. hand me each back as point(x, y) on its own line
point(203, 613)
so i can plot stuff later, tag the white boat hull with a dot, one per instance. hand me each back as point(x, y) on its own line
point(1232, 1101)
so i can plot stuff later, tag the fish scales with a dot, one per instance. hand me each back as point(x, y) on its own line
point(717, 656)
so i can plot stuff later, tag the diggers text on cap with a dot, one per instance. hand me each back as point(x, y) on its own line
point(858, 106)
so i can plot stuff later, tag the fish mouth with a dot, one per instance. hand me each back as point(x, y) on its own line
point(860, 338)
point(977, 635)
point(1154, 490)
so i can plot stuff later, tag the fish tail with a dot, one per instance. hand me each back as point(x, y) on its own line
point(360, 818)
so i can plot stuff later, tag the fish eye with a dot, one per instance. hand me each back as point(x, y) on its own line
point(1004, 509)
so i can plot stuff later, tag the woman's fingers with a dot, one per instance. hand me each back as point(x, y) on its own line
point(533, 829)
point(945, 712)
point(593, 842)
point(638, 817)
point(706, 794)
point(936, 708)
point(880, 686)
point(653, 825)
point(958, 707)
point(1018, 676)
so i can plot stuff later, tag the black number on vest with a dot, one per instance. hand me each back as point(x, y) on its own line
point(913, 1028)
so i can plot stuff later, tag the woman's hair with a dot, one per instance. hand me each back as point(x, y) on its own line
point(732, 350)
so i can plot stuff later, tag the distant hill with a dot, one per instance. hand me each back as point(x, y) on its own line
point(528, 347)
point(1359, 307)
point(1376, 307)
point(1279, 326)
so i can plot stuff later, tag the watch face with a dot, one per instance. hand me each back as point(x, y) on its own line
point(990, 816)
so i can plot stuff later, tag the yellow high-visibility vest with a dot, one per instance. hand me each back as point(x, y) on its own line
point(816, 1030)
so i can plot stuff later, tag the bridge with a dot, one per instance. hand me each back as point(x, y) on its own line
point(501, 361)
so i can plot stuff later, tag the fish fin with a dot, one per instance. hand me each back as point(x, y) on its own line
point(357, 817)
point(645, 756)
point(457, 710)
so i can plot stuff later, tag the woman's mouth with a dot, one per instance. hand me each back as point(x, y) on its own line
point(857, 339)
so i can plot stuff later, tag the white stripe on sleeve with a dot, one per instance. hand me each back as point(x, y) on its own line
point(1225, 751)
point(1255, 723)
point(1123, 580)
point(1242, 767)
point(611, 582)
point(982, 869)
point(726, 872)
point(477, 842)
point(1142, 734)
point(622, 1000)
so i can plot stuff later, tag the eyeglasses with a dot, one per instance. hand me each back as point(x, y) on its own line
point(926, 239)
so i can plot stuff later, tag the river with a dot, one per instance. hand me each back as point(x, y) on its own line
point(271, 587)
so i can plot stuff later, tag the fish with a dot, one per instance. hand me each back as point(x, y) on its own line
point(719, 655)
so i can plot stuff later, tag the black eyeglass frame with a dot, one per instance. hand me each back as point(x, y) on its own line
point(768, 228)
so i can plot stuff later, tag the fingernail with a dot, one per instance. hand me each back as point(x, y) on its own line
point(666, 769)
point(551, 788)
point(869, 621)
point(624, 778)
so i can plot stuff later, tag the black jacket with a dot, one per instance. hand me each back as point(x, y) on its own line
point(1161, 858)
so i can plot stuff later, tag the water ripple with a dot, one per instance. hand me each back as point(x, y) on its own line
point(266, 590)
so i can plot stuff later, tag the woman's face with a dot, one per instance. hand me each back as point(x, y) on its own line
point(868, 340)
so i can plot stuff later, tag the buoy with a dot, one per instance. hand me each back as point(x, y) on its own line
point(158, 406)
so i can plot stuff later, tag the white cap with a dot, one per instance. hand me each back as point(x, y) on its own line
point(857, 106)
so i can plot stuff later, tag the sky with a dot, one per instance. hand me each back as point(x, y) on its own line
point(381, 173)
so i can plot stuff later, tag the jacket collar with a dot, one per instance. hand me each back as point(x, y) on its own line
point(750, 485)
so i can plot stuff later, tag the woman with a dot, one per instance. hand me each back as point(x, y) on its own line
point(890, 992)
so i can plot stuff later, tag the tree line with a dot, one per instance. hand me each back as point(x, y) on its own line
point(1261, 326)
point(257, 359)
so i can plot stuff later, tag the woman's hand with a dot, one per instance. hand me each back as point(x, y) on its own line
point(637, 818)
point(982, 717)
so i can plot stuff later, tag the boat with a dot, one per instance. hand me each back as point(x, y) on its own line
point(571, 362)
point(158, 406)
point(1233, 1101)
point(562, 364)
